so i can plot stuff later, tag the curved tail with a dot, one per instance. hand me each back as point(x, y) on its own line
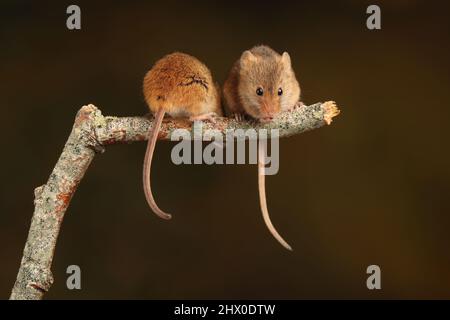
point(262, 196)
point(152, 137)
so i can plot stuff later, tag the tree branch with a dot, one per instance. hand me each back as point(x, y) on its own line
point(90, 134)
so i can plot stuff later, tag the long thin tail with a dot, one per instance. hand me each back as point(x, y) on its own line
point(262, 196)
point(152, 137)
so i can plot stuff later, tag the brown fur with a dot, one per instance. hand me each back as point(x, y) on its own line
point(182, 86)
point(261, 67)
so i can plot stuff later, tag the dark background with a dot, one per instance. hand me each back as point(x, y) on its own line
point(373, 188)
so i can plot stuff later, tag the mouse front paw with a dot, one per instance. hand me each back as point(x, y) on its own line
point(239, 117)
point(296, 106)
point(210, 116)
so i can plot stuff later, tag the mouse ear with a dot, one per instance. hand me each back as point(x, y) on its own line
point(286, 59)
point(247, 57)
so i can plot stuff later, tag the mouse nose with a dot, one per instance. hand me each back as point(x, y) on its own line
point(266, 118)
point(268, 111)
point(270, 115)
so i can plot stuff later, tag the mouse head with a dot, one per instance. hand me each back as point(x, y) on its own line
point(267, 85)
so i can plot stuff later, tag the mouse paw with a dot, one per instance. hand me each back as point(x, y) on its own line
point(210, 116)
point(296, 106)
point(239, 117)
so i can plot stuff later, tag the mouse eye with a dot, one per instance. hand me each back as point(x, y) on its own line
point(259, 91)
point(280, 91)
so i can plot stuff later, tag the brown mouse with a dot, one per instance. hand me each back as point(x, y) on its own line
point(261, 84)
point(181, 86)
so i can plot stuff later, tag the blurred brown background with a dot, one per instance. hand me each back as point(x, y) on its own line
point(372, 188)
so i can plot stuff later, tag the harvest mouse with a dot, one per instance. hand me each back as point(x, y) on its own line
point(261, 84)
point(181, 86)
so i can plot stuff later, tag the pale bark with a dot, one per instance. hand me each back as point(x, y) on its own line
point(90, 134)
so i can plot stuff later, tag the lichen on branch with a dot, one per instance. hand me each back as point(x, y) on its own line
point(91, 133)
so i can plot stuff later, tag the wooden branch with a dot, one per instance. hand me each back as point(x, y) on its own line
point(90, 134)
